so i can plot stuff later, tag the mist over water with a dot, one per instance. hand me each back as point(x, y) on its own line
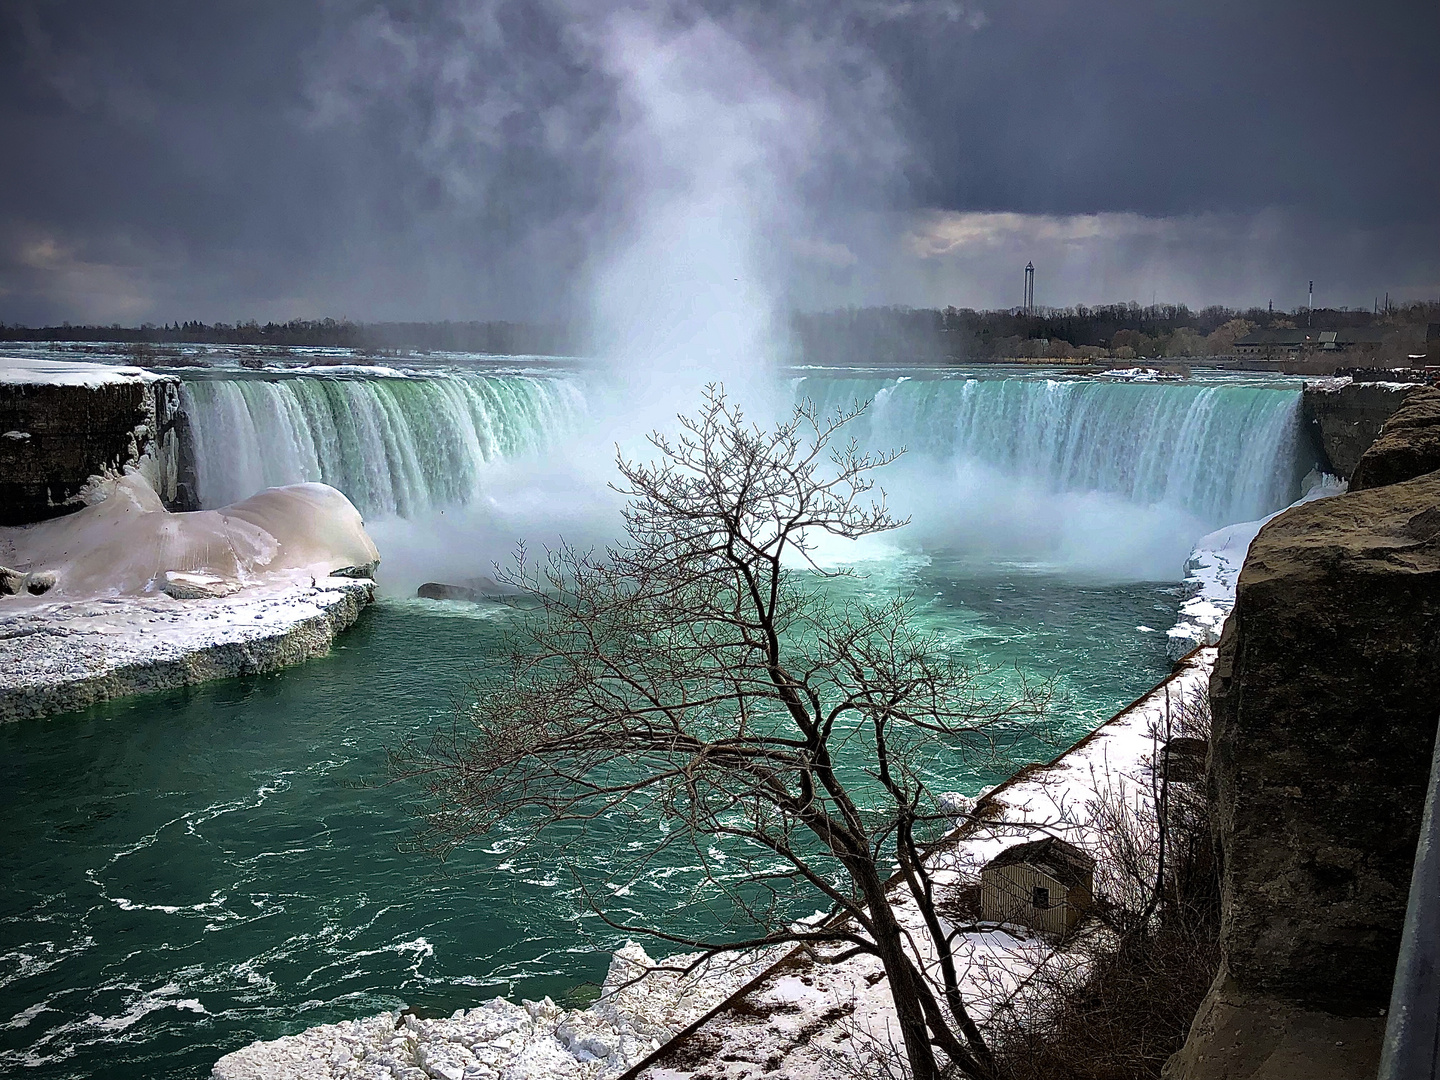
point(454, 469)
point(1089, 476)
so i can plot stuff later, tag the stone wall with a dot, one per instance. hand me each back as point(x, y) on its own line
point(56, 436)
point(1408, 446)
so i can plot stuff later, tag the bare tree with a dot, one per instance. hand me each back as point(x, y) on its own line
point(696, 672)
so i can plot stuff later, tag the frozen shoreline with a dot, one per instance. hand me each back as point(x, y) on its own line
point(1212, 570)
point(66, 655)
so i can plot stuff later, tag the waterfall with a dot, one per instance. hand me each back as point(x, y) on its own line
point(1067, 469)
point(1219, 453)
point(395, 446)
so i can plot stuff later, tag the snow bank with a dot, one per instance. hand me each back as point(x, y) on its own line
point(1210, 576)
point(1212, 571)
point(500, 1040)
point(33, 371)
point(61, 656)
point(124, 544)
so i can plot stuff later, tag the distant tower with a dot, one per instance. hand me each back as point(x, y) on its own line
point(1029, 288)
point(1310, 309)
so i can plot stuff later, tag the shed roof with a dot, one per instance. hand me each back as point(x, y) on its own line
point(1064, 862)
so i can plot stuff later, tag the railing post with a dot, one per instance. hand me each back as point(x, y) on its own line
point(1412, 1028)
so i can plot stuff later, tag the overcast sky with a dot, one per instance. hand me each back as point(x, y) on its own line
point(568, 158)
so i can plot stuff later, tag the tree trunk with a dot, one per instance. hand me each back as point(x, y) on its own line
point(901, 974)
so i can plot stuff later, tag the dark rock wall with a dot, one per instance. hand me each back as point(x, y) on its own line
point(1326, 695)
point(1345, 421)
point(53, 439)
point(1408, 446)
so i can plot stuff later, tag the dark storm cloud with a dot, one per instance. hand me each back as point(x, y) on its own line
point(509, 159)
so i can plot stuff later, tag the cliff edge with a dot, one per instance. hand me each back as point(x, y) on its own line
point(64, 423)
point(1325, 697)
point(1344, 418)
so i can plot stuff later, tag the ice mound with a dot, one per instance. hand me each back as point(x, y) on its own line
point(128, 544)
point(639, 1008)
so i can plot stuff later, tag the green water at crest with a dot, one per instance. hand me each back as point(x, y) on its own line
point(188, 871)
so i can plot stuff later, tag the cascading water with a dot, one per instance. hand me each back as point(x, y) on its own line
point(1102, 477)
point(394, 445)
point(401, 446)
point(1217, 453)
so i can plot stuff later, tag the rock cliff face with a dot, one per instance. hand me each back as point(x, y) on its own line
point(58, 430)
point(1408, 446)
point(1344, 420)
point(1325, 695)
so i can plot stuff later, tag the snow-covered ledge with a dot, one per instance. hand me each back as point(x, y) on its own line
point(124, 596)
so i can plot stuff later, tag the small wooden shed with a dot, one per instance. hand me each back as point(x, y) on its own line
point(1047, 885)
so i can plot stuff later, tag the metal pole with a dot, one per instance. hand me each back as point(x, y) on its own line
point(1412, 1028)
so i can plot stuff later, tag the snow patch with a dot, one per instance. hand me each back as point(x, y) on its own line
point(500, 1040)
point(34, 371)
point(1213, 569)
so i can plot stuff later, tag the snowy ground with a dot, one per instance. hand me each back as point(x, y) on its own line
point(1210, 576)
point(34, 371)
point(67, 654)
point(1212, 571)
point(805, 1018)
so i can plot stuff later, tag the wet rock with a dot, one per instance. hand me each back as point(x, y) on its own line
point(40, 582)
point(472, 591)
point(59, 431)
point(437, 590)
point(364, 570)
point(1345, 418)
point(1408, 446)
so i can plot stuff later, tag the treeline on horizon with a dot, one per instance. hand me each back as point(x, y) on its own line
point(498, 338)
point(850, 335)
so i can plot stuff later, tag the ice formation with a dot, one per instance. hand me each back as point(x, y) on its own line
point(37, 371)
point(1213, 569)
point(499, 1040)
point(138, 598)
point(124, 544)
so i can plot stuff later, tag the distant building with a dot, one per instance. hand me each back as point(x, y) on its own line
point(1047, 885)
point(1278, 343)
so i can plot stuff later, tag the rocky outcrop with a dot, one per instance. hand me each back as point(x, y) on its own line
point(1344, 418)
point(1408, 446)
point(63, 424)
point(1325, 705)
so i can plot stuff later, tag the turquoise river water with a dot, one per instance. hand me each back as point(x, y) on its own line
point(188, 871)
